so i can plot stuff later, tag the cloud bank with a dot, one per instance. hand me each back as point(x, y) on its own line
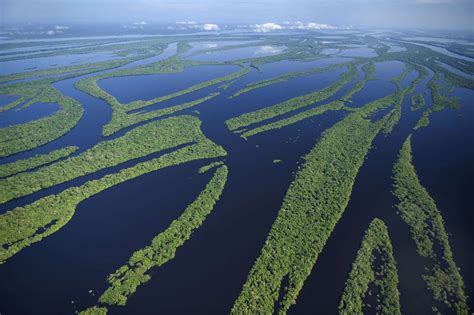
point(190, 25)
point(267, 27)
point(310, 26)
point(210, 27)
point(298, 25)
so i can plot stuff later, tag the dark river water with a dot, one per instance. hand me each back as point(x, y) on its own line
point(55, 275)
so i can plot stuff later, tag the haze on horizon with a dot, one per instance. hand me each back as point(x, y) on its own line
point(420, 14)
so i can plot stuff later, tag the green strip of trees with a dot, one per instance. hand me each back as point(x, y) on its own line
point(247, 119)
point(375, 265)
point(27, 136)
point(131, 119)
point(127, 278)
point(420, 213)
point(369, 72)
point(121, 116)
point(319, 110)
point(441, 101)
point(285, 77)
point(23, 226)
point(313, 204)
point(417, 102)
point(35, 161)
point(139, 142)
point(209, 166)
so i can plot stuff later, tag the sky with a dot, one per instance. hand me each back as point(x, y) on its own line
point(419, 14)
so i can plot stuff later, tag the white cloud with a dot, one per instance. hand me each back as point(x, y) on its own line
point(139, 23)
point(317, 26)
point(267, 27)
point(210, 27)
point(50, 32)
point(183, 25)
point(310, 26)
point(298, 25)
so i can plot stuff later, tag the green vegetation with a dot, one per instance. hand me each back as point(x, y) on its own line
point(422, 73)
point(229, 77)
point(94, 311)
point(126, 279)
point(22, 137)
point(135, 118)
point(375, 265)
point(27, 136)
point(210, 166)
point(398, 80)
point(313, 204)
point(220, 48)
point(420, 57)
point(35, 161)
point(420, 212)
point(294, 51)
point(227, 85)
point(121, 49)
point(285, 77)
point(400, 94)
point(13, 104)
point(289, 54)
point(395, 114)
point(121, 116)
point(23, 226)
point(417, 102)
point(440, 103)
point(183, 47)
point(315, 200)
point(139, 142)
point(293, 103)
point(458, 48)
point(369, 72)
point(333, 106)
point(170, 65)
point(68, 71)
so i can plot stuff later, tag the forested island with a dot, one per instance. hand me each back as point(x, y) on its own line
point(200, 159)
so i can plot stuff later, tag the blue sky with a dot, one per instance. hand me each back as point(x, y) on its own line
point(433, 14)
